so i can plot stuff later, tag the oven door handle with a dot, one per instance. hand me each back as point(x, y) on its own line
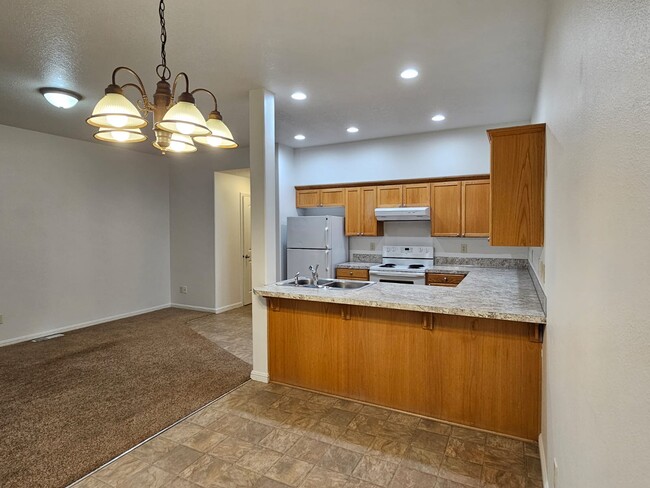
point(397, 274)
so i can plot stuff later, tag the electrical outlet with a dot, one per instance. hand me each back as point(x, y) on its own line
point(184, 290)
point(556, 472)
point(542, 271)
point(463, 248)
point(373, 246)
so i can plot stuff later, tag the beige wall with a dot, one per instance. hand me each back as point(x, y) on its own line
point(594, 96)
point(84, 232)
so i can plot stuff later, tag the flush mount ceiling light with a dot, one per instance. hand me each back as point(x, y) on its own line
point(352, 130)
point(299, 96)
point(438, 118)
point(59, 97)
point(299, 137)
point(177, 123)
point(409, 74)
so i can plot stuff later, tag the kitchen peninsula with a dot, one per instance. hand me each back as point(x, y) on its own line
point(469, 354)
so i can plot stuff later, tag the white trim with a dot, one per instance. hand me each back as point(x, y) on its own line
point(232, 306)
point(193, 307)
point(81, 325)
point(260, 376)
point(542, 459)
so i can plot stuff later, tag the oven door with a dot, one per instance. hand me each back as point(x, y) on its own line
point(397, 277)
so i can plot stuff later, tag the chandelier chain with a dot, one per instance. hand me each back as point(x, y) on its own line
point(162, 70)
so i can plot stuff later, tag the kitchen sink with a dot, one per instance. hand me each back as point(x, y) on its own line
point(325, 284)
point(348, 284)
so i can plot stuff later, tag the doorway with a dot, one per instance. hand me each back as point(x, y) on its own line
point(247, 279)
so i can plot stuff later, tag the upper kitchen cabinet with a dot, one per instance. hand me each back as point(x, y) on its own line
point(517, 185)
point(411, 195)
point(475, 208)
point(326, 197)
point(446, 209)
point(360, 204)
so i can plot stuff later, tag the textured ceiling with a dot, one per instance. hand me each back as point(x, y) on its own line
point(479, 61)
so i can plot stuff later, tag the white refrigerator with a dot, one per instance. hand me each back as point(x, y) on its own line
point(315, 241)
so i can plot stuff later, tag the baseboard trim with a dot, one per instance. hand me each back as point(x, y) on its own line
point(542, 458)
point(260, 376)
point(195, 308)
point(67, 328)
point(232, 306)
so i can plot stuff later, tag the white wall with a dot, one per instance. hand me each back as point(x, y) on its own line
point(430, 155)
point(228, 239)
point(84, 232)
point(286, 202)
point(594, 96)
point(191, 196)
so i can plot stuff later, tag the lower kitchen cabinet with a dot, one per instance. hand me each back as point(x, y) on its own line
point(353, 274)
point(477, 372)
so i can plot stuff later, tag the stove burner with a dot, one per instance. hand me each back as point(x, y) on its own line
point(416, 266)
point(390, 265)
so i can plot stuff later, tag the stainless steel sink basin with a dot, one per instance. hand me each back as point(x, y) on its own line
point(305, 283)
point(348, 284)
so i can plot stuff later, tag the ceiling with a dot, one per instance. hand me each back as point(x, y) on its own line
point(479, 61)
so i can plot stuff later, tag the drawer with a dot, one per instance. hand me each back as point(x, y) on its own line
point(442, 279)
point(352, 274)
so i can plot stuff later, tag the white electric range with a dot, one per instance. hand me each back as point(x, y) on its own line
point(403, 264)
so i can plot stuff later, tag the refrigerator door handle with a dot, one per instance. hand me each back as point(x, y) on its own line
point(326, 242)
point(327, 269)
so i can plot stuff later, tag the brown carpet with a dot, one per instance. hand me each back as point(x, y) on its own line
point(71, 404)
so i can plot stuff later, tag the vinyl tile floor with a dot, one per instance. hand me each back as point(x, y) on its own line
point(232, 331)
point(272, 436)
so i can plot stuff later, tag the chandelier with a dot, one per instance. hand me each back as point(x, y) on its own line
point(177, 124)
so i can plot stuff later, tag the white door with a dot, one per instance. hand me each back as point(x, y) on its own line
point(246, 248)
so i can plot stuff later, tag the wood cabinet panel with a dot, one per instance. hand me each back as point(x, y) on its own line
point(445, 209)
point(444, 279)
point(352, 211)
point(332, 197)
point(476, 208)
point(353, 274)
point(477, 372)
point(307, 198)
point(417, 195)
point(369, 224)
point(517, 185)
point(389, 196)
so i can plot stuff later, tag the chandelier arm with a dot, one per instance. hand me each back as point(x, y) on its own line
point(187, 83)
point(139, 86)
point(208, 92)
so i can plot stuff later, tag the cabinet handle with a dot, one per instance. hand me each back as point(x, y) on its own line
point(445, 279)
point(362, 233)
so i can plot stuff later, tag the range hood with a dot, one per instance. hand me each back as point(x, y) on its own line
point(403, 213)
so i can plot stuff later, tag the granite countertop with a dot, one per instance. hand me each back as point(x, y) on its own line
point(494, 293)
point(355, 265)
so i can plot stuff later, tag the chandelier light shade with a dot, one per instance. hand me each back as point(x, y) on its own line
point(115, 111)
point(184, 118)
point(220, 135)
point(175, 122)
point(178, 143)
point(120, 135)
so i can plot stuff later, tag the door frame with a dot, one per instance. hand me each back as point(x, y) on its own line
point(244, 291)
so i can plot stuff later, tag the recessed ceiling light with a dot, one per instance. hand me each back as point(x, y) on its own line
point(353, 130)
point(438, 118)
point(299, 137)
point(299, 96)
point(60, 98)
point(409, 74)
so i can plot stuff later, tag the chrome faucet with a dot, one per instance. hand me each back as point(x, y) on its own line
point(296, 278)
point(314, 274)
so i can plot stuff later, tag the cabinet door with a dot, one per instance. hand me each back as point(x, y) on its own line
point(307, 198)
point(332, 197)
point(352, 211)
point(445, 209)
point(517, 186)
point(369, 224)
point(476, 208)
point(416, 195)
point(389, 196)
